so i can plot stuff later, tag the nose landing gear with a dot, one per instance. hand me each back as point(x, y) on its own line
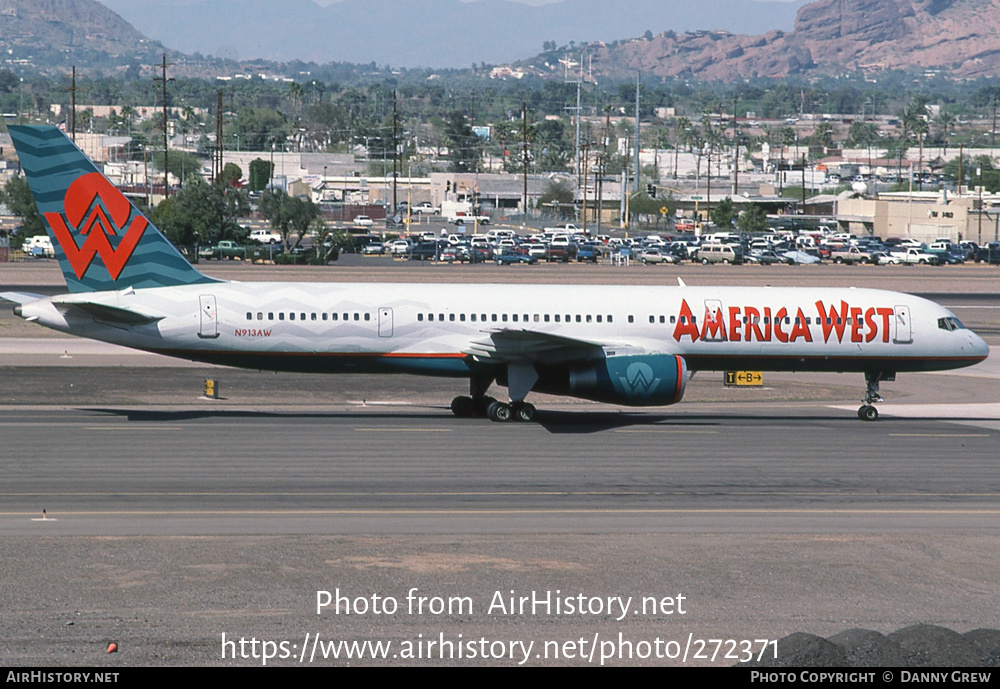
point(868, 412)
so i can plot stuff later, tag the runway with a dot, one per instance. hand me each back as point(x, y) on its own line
point(171, 520)
point(392, 471)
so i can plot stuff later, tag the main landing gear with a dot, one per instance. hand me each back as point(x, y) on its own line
point(868, 412)
point(492, 408)
point(520, 378)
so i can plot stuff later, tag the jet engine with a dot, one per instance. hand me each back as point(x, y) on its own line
point(635, 380)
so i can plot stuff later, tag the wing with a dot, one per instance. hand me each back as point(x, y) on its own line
point(506, 346)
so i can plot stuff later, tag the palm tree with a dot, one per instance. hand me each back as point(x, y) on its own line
point(944, 120)
point(681, 127)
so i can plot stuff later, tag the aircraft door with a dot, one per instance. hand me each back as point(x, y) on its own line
point(209, 316)
point(904, 333)
point(714, 329)
point(385, 322)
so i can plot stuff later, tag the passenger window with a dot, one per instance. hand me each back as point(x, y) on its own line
point(281, 315)
point(249, 315)
point(420, 316)
point(291, 316)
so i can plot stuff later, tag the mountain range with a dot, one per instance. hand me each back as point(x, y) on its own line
point(955, 37)
point(427, 33)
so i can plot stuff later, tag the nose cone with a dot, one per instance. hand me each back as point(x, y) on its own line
point(976, 346)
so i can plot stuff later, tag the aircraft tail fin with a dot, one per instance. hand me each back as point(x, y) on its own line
point(101, 239)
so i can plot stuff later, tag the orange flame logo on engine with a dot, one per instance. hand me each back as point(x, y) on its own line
point(97, 221)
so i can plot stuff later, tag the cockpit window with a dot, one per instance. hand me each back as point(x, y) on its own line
point(950, 323)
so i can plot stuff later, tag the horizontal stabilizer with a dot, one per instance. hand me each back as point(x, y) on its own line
point(21, 297)
point(106, 314)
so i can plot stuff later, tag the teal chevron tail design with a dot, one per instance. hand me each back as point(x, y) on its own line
point(101, 239)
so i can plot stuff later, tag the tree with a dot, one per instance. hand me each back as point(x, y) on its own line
point(288, 214)
point(723, 213)
point(260, 174)
point(464, 147)
point(558, 194)
point(202, 213)
point(17, 195)
point(260, 128)
point(183, 165)
point(231, 175)
point(752, 220)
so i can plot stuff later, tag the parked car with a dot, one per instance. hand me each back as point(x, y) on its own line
point(263, 236)
point(509, 257)
point(655, 256)
point(425, 208)
point(363, 221)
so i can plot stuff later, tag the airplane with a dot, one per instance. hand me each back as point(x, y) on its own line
point(626, 345)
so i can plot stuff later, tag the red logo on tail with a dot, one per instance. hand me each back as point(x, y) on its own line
point(87, 217)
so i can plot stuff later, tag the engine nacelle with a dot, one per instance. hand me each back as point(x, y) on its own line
point(639, 380)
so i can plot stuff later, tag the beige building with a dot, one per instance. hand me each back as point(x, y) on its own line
point(924, 216)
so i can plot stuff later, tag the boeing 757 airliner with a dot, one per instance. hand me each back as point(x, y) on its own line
point(624, 345)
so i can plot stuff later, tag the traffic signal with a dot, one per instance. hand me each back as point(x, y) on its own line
point(651, 190)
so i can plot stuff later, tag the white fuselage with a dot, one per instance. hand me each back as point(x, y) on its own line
point(431, 328)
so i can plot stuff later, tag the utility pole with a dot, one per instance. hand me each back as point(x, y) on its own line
point(586, 150)
point(736, 153)
point(576, 110)
point(635, 186)
point(166, 174)
point(993, 132)
point(708, 182)
point(217, 152)
point(395, 150)
point(961, 148)
point(524, 138)
point(72, 90)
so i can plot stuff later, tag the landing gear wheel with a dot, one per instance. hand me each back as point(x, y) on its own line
point(524, 411)
point(867, 413)
point(463, 407)
point(499, 411)
point(481, 406)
